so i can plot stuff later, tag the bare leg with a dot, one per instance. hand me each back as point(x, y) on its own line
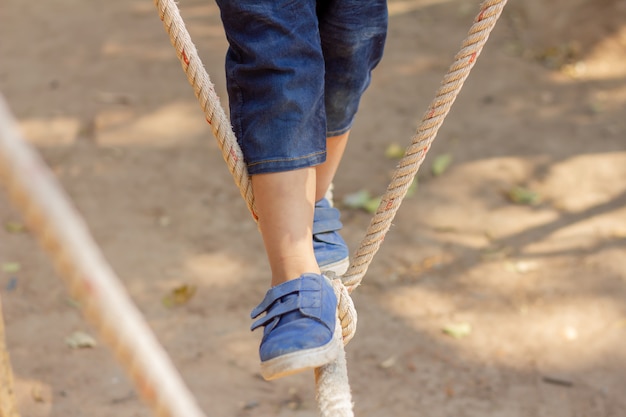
point(325, 172)
point(284, 203)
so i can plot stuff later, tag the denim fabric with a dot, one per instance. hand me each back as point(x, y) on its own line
point(296, 70)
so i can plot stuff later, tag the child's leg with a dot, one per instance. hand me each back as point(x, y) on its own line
point(331, 251)
point(352, 36)
point(284, 204)
point(275, 80)
point(325, 172)
point(299, 310)
point(279, 101)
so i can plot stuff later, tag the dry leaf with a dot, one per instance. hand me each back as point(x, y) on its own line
point(394, 151)
point(14, 227)
point(388, 363)
point(458, 330)
point(11, 267)
point(372, 205)
point(363, 200)
point(80, 340)
point(522, 195)
point(441, 164)
point(357, 199)
point(179, 296)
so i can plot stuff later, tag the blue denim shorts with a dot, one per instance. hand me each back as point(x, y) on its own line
point(296, 70)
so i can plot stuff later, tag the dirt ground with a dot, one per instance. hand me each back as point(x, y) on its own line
point(538, 290)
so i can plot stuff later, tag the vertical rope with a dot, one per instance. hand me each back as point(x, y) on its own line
point(61, 231)
point(333, 388)
point(432, 120)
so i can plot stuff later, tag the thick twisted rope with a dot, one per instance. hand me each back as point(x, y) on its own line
point(415, 153)
point(47, 211)
point(205, 93)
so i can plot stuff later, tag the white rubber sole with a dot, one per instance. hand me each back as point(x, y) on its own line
point(338, 268)
point(303, 360)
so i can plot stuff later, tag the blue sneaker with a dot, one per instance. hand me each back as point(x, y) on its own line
point(299, 325)
point(331, 251)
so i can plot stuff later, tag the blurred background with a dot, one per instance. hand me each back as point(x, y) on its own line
point(499, 291)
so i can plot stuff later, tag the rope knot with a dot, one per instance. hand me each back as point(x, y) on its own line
point(346, 312)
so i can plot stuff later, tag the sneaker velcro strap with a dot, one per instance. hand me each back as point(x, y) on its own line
point(326, 218)
point(286, 305)
point(278, 301)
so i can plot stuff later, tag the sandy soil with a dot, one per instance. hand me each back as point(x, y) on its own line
point(96, 87)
